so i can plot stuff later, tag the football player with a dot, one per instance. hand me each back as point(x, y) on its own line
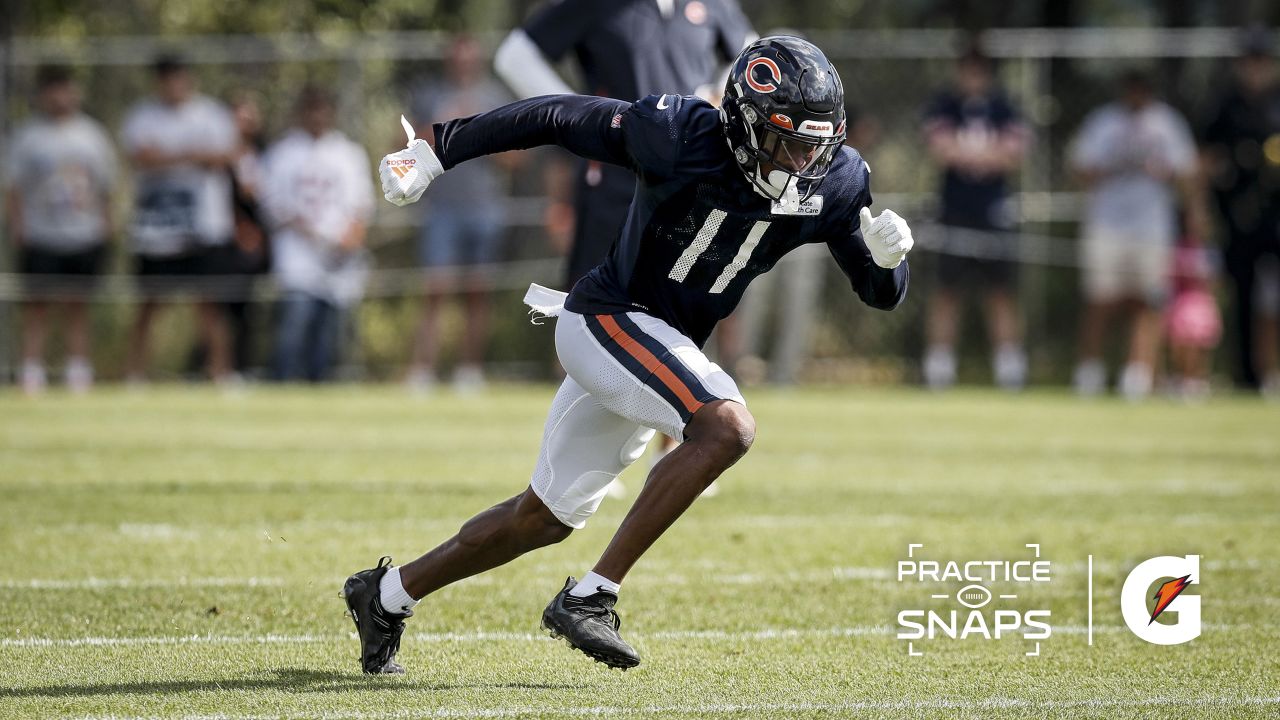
point(721, 196)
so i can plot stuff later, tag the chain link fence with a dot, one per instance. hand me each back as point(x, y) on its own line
point(1055, 77)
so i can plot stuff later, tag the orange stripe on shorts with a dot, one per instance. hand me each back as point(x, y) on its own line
point(650, 362)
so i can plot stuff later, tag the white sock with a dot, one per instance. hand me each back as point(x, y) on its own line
point(1136, 381)
point(392, 594)
point(592, 584)
point(1010, 366)
point(939, 367)
point(1090, 377)
point(79, 374)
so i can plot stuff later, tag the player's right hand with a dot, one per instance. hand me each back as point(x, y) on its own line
point(406, 174)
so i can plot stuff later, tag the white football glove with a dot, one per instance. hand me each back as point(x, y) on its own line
point(887, 237)
point(407, 173)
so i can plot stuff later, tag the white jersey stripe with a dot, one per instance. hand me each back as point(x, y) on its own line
point(740, 260)
point(700, 243)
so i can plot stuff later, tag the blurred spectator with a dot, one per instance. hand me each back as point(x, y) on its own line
point(180, 144)
point(318, 195)
point(793, 288)
point(1133, 155)
point(625, 52)
point(1194, 322)
point(977, 138)
point(251, 253)
point(463, 223)
point(1242, 153)
point(60, 172)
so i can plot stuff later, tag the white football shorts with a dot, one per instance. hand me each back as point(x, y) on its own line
point(629, 374)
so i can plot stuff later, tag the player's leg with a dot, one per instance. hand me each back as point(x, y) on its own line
point(643, 369)
point(584, 447)
point(718, 435)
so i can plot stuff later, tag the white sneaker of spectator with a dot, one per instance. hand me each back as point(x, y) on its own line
point(1090, 378)
point(421, 381)
point(468, 379)
point(1271, 387)
point(33, 378)
point(79, 375)
point(1009, 366)
point(1193, 390)
point(939, 368)
point(1135, 381)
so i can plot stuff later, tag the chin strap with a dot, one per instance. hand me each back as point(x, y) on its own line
point(785, 189)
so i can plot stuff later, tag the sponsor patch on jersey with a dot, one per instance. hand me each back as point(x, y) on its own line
point(616, 122)
point(812, 206)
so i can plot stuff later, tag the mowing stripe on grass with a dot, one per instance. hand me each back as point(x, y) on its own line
point(96, 583)
point(489, 636)
point(729, 578)
point(996, 703)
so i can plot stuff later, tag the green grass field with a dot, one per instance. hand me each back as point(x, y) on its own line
point(177, 553)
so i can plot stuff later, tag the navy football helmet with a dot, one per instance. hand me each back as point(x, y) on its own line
point(783, 114)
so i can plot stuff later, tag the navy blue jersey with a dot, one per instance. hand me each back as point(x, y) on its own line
point(629, 49)
point(968, 200)
point(696, 233)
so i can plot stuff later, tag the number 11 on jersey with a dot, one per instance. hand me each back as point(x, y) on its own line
point(702, 241)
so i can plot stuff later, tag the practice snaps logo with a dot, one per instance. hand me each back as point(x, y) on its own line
point(974, 611)
point(1163, 579)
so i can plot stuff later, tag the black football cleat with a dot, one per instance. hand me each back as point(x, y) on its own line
point(379, 630)
point(589, 624)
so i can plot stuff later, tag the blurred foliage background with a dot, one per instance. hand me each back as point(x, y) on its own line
point(331, 45)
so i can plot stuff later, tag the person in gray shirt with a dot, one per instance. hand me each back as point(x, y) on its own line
point(60, 172)
point(463, 224)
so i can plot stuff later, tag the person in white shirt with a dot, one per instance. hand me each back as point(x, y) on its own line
point(181, 144)
point(318, 195)
point(60, 173)
point(1135, 156)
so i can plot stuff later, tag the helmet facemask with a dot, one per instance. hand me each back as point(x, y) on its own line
point(783, 116)
point(783, 163)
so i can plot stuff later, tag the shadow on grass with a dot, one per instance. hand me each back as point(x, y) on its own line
point(300, 680)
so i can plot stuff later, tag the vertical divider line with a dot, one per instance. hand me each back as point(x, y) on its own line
point(1090, 601)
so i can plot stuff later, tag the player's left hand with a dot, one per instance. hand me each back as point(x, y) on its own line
point(406, 174)
point(887, 237)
